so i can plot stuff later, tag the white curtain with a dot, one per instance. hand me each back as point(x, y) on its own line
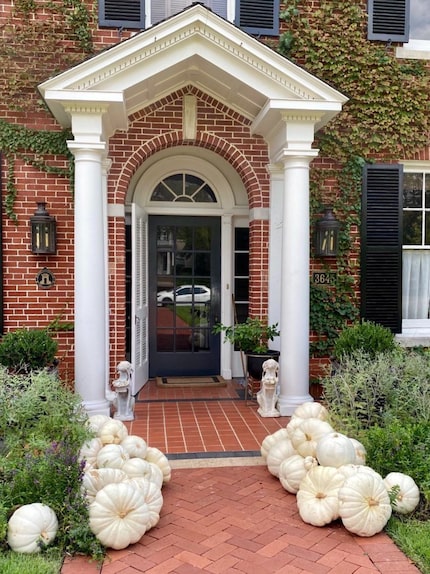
point(416, 284)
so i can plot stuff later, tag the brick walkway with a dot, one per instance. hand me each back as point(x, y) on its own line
point(230, 515)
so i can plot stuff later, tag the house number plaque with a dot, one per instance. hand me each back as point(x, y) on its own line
point(45, 279)
point(323, 278)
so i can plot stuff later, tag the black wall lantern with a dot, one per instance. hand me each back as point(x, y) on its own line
point(43, 231)
point(327, 234)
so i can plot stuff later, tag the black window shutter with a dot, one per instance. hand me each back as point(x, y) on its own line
point(122, 13)
point(388, 20)
point(258, 17)
point(381, 245)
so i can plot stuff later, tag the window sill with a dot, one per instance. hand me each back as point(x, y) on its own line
point(415, 50)
point(414, 339)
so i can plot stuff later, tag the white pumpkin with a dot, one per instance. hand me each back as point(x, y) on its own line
point(95, 422)
point(31, 527)
point(119, 515)
point(134, 467)
point(111, 456)
point(293, 424)
point(113, 431)
point(364, 504)
point(360, 451)
point(292, 471)
point(280, 451)
point(135, 446)
point(306, 436)
point(95, 479)
point(335, 449)
point(271, 439)
point(311, 409)
point(89, 451)
point(348, 470)
point(317, 497)
point(155, 456)
point(152, 496)
point(156, 476)
point(408, 495)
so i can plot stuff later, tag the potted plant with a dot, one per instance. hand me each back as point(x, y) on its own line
point(252, 338)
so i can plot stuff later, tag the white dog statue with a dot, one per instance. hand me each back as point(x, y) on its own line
point(267, 396)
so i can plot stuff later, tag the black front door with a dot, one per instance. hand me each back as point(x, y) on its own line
point(184, 295)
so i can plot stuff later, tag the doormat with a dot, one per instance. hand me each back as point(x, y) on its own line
point(216, 381)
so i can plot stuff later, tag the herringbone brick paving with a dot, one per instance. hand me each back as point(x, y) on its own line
point(238, 519)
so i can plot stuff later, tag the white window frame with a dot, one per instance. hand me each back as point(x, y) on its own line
point(416, 328)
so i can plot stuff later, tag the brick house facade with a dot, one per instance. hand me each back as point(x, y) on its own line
point(192, 143)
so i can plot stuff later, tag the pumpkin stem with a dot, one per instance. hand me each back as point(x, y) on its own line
point(373, 502)
point(321, 495)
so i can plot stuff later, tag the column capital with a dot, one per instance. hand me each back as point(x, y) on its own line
point(299, 157)
point(85, 148)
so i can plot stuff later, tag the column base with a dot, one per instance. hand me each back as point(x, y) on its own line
point(101, 407)
point(287, 405)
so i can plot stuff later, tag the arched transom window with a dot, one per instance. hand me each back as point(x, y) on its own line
point(183, 187)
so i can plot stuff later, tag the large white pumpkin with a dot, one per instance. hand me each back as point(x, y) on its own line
point(31, 527)
point(364, 504)
point(311, 409)
point(113, 431)
point(119, 515)
point(111, 456)
point(89, 451)
point(292, 471)
point(157, 457)
point(95, 422)
point(306, 436)
point(360, 451)
point(335, 449)
point(272, 439)
point(317, 497)
point(152, 495)
point(137, 467)
point(135, 446)
point(408, 494)
point(95, 479)
point(281, 450)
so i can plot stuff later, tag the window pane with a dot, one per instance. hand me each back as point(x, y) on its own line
point(412, 189)
point(427, 189)
point(419, 20)
point(241, 264)
point(241, 288)
point(241, 238)
point(412, 228)
point(427, 228)
point(161, 9)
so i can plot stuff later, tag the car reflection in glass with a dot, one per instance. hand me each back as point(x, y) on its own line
point(185, 294)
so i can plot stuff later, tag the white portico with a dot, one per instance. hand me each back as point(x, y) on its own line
point(284, 104)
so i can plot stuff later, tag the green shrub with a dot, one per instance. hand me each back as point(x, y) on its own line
point(366, 336)
point(384, 401)
point(26, 350)
point(401, 447)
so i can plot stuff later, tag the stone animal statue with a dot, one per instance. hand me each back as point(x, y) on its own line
point(267, 396)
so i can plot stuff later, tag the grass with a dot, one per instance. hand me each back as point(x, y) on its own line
point(14, 563)
point(413, 538)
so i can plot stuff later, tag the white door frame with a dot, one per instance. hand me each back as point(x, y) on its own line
point(231, 206)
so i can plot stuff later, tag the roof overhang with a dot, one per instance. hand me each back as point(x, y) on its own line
point(196, 47)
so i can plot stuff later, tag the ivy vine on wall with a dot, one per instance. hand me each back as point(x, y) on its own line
point(386, 119)
point(29, 31)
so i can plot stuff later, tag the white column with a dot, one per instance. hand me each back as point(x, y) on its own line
point(294, 358)
point(90, 277)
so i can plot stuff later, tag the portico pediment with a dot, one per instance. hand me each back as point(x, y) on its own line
point(196, 47)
